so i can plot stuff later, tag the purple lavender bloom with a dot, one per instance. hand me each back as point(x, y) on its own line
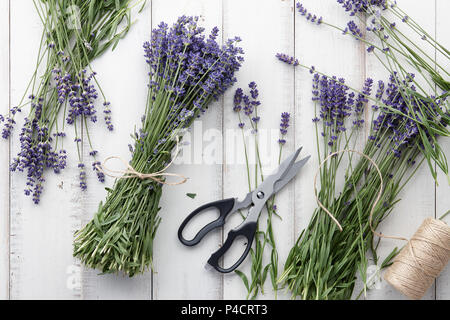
point(362, 99)
point(8, 127)
point(355, 6)
point(35, 156)
point(82, 176)
point(404, 131)
point(309, 16)
point(287, 59)
point(248, 105)
point(285, 118)
point(100, 175)
point(238, 96)
point(335, 104)
point(253, 91)
point(354, 30)
point(284, 125)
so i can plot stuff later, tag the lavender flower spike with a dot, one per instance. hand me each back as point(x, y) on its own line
point(284, 125)
point(309, 16)
point(287, 59)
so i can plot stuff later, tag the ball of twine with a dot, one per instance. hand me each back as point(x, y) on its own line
point(422, 259)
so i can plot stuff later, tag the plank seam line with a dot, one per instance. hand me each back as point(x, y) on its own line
point(435, 186)
point(8, 224)
point(222, 284)
point(295, 116)
point(152, 294)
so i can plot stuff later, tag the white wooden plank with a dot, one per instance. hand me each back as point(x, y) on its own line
point(179, 272)
point(333, 54)
point(4, 152)
point(417, 199)
point(125, 87)
point(443, 189)
point(266, 28)
point(41, 235)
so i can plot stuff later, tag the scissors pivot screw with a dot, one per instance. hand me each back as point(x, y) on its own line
point(260, 195)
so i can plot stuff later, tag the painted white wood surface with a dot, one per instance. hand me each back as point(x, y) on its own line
point(36, 241)
point(4, 152)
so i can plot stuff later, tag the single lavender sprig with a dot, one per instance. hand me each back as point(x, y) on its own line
point(284, 125)
point(309, 16)
point(287, 59)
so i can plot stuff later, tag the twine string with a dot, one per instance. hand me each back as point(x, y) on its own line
point(131, 172)
point(380, 191)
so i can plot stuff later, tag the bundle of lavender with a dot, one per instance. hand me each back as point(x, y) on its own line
point(187, 72)
point(324, 261)
point(403, 54)
point(74, 34)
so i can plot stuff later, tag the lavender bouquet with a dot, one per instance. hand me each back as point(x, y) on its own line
point(187, 72)
point(324, 261)
point(74, 34)
point(410, 113)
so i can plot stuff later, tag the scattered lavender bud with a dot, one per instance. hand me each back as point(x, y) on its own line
point(287, 59)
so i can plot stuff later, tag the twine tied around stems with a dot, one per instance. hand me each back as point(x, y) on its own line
point(421, 260)
point(374, 204)
point(130, 172)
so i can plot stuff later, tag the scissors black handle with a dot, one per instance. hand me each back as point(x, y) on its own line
point(224, 206)
point(248, 230)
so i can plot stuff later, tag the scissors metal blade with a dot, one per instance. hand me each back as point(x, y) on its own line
point(267, 188)
point(285, 166)
point(283, 170)
point(291, 174)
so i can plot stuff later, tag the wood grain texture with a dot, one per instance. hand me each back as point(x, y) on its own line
point(443, 189)
point(4, 152)
point(175, 263)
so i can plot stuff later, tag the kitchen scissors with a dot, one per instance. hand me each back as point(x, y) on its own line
point(254, 200)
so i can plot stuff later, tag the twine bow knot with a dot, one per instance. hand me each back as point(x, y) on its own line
point(131, 172)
